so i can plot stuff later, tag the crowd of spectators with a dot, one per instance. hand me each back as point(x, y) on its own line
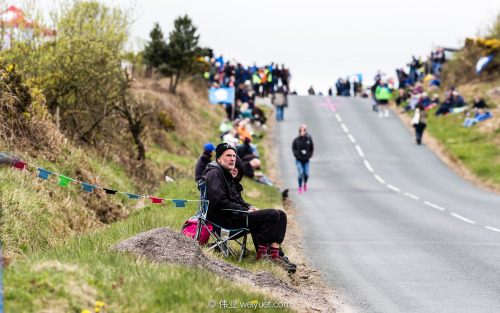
point(424, 77)
point(249, 82)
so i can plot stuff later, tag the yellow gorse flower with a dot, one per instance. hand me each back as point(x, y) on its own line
point(99, 303)
point(86, 311)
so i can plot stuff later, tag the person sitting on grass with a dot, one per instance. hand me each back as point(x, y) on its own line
point(268, 227)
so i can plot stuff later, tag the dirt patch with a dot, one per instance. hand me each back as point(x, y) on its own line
point(170, 246)
point(448, 158)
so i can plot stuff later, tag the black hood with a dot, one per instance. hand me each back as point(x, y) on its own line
point(239, 166)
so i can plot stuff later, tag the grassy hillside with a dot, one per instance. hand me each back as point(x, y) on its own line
point(476, 147)
point(55, 239)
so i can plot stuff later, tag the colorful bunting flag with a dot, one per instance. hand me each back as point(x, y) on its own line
point(19, 164)
point(44, 174)
point(87, 187)
point(156, 200)
point(132, 196)
point(179, 203)
point(63, 181)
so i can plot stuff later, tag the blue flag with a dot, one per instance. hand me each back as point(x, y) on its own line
point(132, 196)
point(179, 203)
point(44, 174)
point(482, 62)
point(221, 95)
point(87, 187)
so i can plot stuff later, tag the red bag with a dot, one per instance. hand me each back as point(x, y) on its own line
point(189, 229)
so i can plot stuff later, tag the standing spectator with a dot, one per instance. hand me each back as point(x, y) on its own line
point(419, 121)
point(383, 95)
point(402, 77)
point(373, 89)
point(303, 150)
point(203, 160)
point(279, 100)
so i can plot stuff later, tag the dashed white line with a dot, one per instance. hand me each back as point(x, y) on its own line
point(368, 166)
point(344, 127)
point(411, 196)
point(432, 205)
point(492, 229)
point(460, 217)
point(379, 179)
point(360, 152)
point(337, 116)
point(393, 188)
point(351, 138)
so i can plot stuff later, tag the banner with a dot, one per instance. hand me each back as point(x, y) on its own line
point(482, 62)
point(221, 95)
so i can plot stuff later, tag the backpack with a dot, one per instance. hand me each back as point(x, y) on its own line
point(189, 229)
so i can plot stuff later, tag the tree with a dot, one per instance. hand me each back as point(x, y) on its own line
point(183, 53)
point(155, 53)
point(79, 68)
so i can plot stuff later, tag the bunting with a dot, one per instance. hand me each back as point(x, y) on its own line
point(64, 181)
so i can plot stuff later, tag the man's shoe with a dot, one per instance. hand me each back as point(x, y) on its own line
point(288, 261)
point(281, 262)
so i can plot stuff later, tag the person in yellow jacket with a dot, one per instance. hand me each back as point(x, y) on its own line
point(383, 95)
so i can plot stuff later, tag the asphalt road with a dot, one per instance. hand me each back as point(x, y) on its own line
point(389, 225)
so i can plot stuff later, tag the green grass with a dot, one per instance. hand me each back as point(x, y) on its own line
point(72, 277)
point(477, 150)
point(62, 258)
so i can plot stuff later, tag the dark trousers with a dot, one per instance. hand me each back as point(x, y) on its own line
point(419, 130)
point(267, 226)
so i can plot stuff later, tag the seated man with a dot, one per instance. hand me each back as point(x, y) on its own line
point(268, 227)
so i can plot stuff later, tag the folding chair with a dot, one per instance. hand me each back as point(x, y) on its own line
point(220, 235)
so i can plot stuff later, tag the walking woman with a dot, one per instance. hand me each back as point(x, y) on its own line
point(303, 150)
point(419, 121)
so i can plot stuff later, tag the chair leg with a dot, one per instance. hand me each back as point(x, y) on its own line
point(243, 246)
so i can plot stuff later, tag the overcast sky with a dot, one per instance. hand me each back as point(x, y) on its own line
point(321, 41)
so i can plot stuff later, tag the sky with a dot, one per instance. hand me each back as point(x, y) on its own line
point(319, 41)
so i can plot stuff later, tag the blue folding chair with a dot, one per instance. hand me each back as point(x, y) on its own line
point(220, 235)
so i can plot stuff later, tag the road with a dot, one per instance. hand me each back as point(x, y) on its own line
point(391, 228)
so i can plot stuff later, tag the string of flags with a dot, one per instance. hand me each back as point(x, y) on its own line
point(64, 181)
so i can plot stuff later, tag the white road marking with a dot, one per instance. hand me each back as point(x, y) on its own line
point(368, 166)
point(462, 218)
point(379, 179)
point(360, 152)
point(411, 196)
point(492, 228)
point(432, 205)
point(344, 127)
point(351, 138)
point(393, 188)
point(337, 116)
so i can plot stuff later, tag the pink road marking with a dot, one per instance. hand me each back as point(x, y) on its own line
point(329, 104)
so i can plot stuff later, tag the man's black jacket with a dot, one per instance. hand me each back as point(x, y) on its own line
point(223, 197)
